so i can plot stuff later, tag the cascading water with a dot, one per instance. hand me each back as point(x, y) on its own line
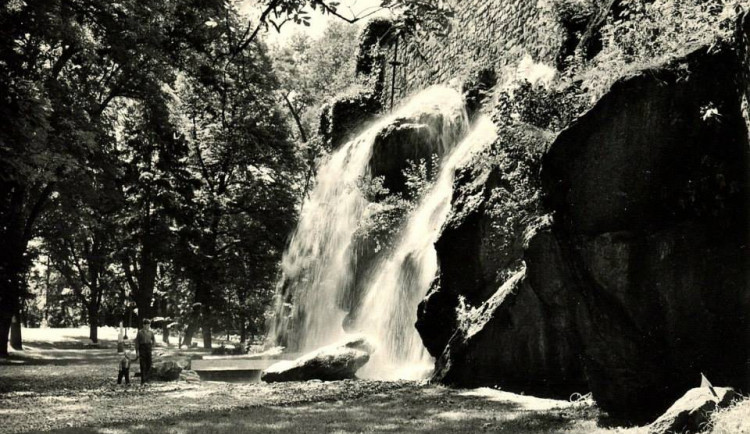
point(403, 279)
point(319, 264)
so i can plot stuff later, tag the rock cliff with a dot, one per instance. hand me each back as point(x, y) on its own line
point(611, 257)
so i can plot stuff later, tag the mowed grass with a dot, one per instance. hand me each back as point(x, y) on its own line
point(56, 383)
point(415, 410)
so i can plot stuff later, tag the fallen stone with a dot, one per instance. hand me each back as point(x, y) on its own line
point(331, 363)
point(690, 413)
point(166, 371)
point(189, 376)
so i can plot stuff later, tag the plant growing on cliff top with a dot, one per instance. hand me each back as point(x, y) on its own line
point(644, 34)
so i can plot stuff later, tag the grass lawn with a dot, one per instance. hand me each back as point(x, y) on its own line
point(411, 409)
point(58, 386)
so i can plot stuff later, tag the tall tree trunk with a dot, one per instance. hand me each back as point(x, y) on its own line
point(94, 324)
point(143, 304)
point(189, 332)
point(10, 301)
point(243, 328)
point(4, 332)
point(206, 325)
point(15, 333)
point(17, 217)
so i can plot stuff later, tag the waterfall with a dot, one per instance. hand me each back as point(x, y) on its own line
point(313, 298)
point(402, 281)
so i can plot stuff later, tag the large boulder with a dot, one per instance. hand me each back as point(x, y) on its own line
point(331, 363)
point(649, 191)
point(635, 260)
point(692, 412)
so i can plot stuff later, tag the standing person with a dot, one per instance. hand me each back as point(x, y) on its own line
point(124, 368)
point(144, 343)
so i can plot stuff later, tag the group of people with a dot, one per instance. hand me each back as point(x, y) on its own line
point(144, 345)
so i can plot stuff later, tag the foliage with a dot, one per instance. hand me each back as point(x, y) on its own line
point(550, 109)
point(416, 17)
point(246, 169)
point(386, 212)
point(62, 65)
point(651, 33)
point(312, 71)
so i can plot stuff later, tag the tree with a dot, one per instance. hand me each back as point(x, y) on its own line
point(416, 17)
point(155, 185)
point(246, 167)
point(62, 63)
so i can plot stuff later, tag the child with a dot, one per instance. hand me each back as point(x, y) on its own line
point(124, 368)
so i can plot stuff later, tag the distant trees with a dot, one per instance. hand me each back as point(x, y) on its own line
point(143, 145)
point(62, 64)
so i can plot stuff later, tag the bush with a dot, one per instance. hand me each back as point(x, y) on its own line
point(223, 350)
point(644, 34)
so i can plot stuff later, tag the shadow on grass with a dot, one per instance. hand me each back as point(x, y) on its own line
point(415, 410)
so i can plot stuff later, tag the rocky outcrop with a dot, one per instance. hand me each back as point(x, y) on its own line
point(692, 412)
point(331, 363)
point(409, 141)
point(638, 281)
point(650, 195)
point(342, 118)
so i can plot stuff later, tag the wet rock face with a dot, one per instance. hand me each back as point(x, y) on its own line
point(426, 137)
point(640, 282)
point(344, 117)
point(474, 279)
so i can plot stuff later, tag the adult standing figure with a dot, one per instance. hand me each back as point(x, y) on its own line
point(144, 344)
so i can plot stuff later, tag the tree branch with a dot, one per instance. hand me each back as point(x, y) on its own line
point(295, 115)
point(67, 53)
point(354, 18)
point(262, 21)
point(36, 210)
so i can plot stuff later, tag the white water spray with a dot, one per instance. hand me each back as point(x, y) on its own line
point(389, 310)
point(319, 265)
